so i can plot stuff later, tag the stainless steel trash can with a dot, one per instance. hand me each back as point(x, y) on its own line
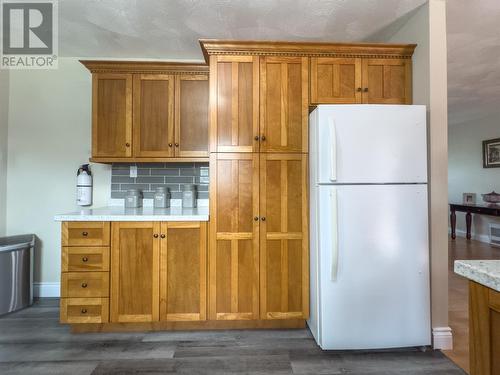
point(16, 272)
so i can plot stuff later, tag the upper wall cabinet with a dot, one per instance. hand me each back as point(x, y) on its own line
point(146, 111)
point(387, 81)
point(234, 103)
point(338, 73)
point(191, 115)
point(153, 115)
point(284, 104)
point(336, 80)
point(112, 115)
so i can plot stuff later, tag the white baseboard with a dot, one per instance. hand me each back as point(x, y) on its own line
point(46, 289)
point(442, 338)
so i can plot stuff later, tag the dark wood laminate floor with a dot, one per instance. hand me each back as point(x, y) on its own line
point(33, 342)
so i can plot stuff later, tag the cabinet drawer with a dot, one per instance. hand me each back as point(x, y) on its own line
point(84, 310)
point(85, 259)
point(85, 233)
point(85, 284)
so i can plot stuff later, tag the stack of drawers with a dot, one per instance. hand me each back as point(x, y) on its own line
point(85, 272)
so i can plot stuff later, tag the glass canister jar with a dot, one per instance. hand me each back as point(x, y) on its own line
point(133, 198)
point(161, 197)
point(189, 196)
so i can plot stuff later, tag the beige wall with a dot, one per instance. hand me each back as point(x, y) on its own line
point(4, 116)
point(466, 172)
point(427, 28)
point(49, 136)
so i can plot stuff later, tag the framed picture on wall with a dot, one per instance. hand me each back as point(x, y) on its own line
point(491, 153)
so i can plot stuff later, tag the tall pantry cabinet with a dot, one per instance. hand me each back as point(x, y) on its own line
point(258, 247)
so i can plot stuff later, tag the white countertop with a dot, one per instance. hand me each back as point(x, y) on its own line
point(119, 213)
point(484, 272)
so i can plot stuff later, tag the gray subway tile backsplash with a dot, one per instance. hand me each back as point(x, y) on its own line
point(152, 175)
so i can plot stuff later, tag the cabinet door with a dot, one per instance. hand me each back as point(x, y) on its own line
point(335, 80)
point(183, 264)
point(191, 116)
point(234, 103)
point(153, 115)
point(111, 115)
point(284, 252)
point(135, 271)
point(387, 81)
point(284, 109)
point(234, 237)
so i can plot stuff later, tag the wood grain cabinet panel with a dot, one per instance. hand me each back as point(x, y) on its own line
point(234, 103)
point(234, 237)
point(387, 81)
point(85, 284)
point(135, 252)
point(484, 330)
point(284, 262)
point(335, 80)
point(91, 233)
point(111, 115)
point(76, 259)
point(84, 310)
point(191, 116)
point(284, 104)
point(153, 115)
point(183, 271)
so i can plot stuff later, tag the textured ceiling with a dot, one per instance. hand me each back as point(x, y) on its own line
point(473, 59)
point(170, 29)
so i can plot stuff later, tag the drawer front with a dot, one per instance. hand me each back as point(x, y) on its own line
point(85, 259)
point(85, 284)
point(84, 310)
point(85, 233)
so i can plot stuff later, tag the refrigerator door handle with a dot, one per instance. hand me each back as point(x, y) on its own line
point(335, 234)
point(333, 150)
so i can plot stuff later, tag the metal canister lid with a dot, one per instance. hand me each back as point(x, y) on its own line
point(189, 187)
point(134, 192)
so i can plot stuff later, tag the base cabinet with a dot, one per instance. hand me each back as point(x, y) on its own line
point(484, 330)
point(183, 271)
point(135, 250)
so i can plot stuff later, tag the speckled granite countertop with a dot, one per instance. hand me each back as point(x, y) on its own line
point(484, 272)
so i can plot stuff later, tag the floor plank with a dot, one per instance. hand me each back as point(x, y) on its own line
point(33, 342)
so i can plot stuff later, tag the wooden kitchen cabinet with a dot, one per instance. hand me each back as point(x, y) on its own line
point(149, 111)
point(234, 237)
point(191, 116)
point(484, 330)
point(112, 115)
point(361, 80)
point(387, 81)
point(234, 103)
point(153, 115)
point(336, 80)
point(284, 104)
point(183, 271)
point(135, 256)
point(284, 248)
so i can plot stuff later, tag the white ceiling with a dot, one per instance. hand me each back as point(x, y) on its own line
point(473, 59)
point(170, 29)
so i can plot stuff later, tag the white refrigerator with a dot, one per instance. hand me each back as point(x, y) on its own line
point(369, 242)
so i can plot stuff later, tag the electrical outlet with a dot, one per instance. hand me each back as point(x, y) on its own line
point(133, 171)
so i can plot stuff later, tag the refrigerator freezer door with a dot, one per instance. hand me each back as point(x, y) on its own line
point(370, 144)
point(381, 295)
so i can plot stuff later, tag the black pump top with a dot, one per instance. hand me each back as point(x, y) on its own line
point(84, 168)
